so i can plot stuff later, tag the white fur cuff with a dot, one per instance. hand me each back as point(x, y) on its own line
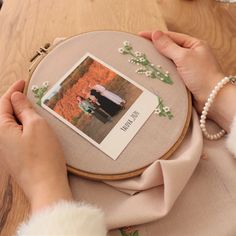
point(231, 140)
point(65, 218)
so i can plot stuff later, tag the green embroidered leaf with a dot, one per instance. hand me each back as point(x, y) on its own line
point(135, 233)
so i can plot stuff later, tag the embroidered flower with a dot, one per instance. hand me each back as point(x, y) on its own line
point(157, 111)
point(162, 110)
point(138, 54)
point(166, 109)
point(34, 88)
point(46, 84)
point(148, 73)
point(121, 50)
point(142, 59)
point(126, 43)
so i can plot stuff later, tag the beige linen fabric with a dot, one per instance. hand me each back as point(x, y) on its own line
point(155, 190)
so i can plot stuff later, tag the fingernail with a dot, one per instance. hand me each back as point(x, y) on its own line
point(157, 35)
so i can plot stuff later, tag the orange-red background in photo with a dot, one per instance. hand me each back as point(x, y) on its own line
point(67, 106)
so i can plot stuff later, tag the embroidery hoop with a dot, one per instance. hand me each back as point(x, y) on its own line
point(124, 175)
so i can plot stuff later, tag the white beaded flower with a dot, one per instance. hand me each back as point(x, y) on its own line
point(121, 50)
point(34, 88)
point(142, 59)
point(148, 73)
point(157, 111)
point(126, 43)
point(46, 84)
point(166, 109)
point(138, 54)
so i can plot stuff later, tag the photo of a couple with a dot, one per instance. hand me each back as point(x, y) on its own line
point(101, 103)
point(93, 98)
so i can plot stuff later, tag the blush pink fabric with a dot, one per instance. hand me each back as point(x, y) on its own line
point(150, 196)
point(207, 205)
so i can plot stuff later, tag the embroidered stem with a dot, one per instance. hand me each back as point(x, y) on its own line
point(149, 69)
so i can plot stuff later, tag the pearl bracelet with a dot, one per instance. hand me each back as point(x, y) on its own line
point(209, 102)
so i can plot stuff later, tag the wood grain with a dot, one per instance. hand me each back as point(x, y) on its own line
point(208, 20)
point(29, 24)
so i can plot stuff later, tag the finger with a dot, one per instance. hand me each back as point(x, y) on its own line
point(23, 109)
point(146, 34)
point(5, 100)
point(183, 40)
point(17, 86)
point(166, 46)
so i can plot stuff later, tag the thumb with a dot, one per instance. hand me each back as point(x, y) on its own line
point(23, 109)
point(167, 46)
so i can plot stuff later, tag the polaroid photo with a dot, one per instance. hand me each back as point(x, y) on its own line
point(101, 104)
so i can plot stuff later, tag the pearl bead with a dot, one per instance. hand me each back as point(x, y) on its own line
point(206, 108)
point(203, 117)
point(209, 100)
point(202, 121)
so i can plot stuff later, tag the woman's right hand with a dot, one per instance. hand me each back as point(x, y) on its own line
point(194, 61)
point(199, 70)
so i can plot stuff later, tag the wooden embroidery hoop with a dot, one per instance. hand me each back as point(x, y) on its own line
point(121, 176)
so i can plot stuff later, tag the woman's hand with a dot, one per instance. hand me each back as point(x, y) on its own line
point(30, 150)
point(199, 70)
point(193, 59)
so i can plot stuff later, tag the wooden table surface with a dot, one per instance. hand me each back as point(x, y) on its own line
point(27, 25)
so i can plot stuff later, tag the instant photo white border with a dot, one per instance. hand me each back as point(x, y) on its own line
point(127, 127)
